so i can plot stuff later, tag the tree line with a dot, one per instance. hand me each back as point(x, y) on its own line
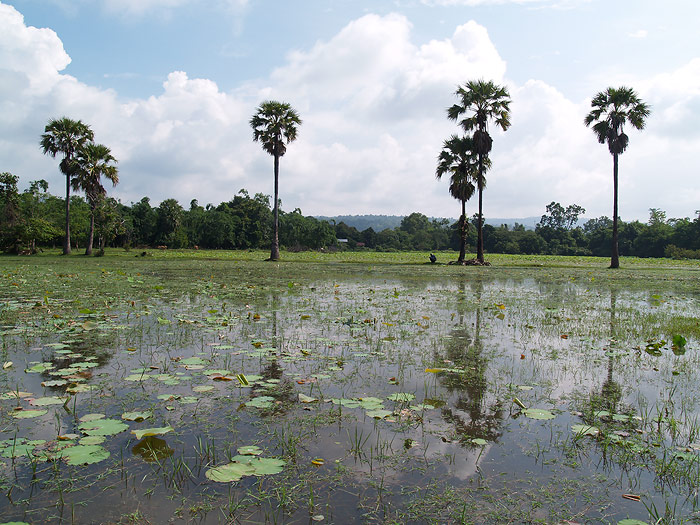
point(559, 232)
point(34, 218)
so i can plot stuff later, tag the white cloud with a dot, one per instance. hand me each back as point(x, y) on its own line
point(640, 33)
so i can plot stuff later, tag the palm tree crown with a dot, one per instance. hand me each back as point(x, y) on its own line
point(65, 136)
point(612, 109)
point(480, 102)
point(274, 126)
point(93, 162)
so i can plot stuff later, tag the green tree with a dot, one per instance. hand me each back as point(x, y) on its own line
point(93, 162)
point(144, 219)
point(169, 215)
point(459, 160)
point(274, 126)
point(612, 109)
point(479, 103)
point(65, 136)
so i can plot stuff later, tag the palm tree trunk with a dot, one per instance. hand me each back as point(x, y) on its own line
point(480, 231)
point(66, 241)
point(615, 258)
point(275, 250)
point(463, 233)
point(88, 249)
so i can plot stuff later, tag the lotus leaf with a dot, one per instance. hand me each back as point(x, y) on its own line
point(27, 414)
point(45, 401)
point(585, 430)
point(146, 432)
point(261, 402)
point(103, 427)
point(538, 413)
point(136, 416)
point(84, 454)
point(229, 472)
point(379, 413)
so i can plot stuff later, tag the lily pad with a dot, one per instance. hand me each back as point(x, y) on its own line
point(146, 432)
point(260, 402)
point(136, 416)
point(45, 401)
point(84, 454)
point(103, 427)
point(538, 413)
point(28, 414)
point(585, 430)
point(229, 472)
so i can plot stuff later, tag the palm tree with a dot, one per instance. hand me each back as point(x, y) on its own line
point(612, 109)
point(480, 102)
point(92, 163)
point(274, 126)
point(457, 159)
point(65, 136)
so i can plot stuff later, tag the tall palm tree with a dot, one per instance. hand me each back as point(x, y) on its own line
point(274, 126)
point(481, 102)
point(93, 162)
point(65, 136)
point(612, 109)
point(458, 159)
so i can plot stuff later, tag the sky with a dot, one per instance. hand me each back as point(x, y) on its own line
point(170, 86)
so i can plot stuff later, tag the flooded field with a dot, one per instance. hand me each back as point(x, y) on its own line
point(223, 391)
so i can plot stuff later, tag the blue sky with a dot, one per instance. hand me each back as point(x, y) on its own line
point(170, 86)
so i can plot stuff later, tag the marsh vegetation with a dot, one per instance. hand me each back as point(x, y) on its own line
point(213, 387)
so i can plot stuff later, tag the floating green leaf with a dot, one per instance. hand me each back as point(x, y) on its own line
point(585, 430)
point(538, 413)
point(146, 432)
point(103, 427)
point(84, 454)
point(28, 414)
point(260, 402)
point(45, 401)
point(136, 416)
point(230, 472)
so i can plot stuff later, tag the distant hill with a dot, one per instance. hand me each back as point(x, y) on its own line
point(382, 222)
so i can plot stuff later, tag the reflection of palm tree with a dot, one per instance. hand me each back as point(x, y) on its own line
point(283, 390)
point(611, 391)
point(471, 386)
